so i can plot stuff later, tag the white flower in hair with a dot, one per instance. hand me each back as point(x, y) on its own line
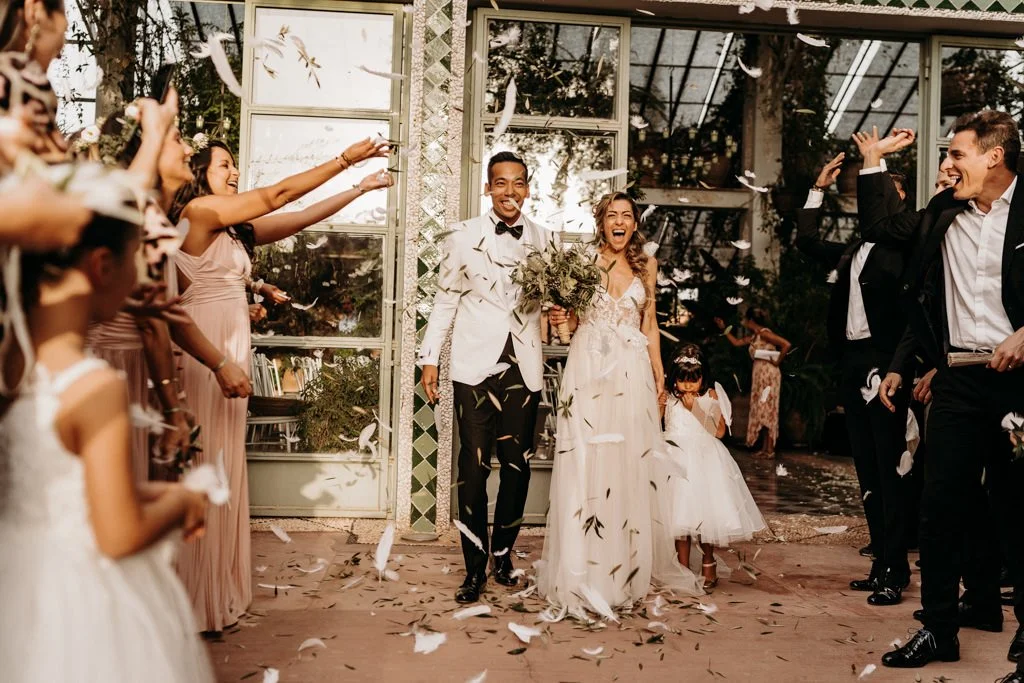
point(200, 141)
point(91, 135)
point(131, 112)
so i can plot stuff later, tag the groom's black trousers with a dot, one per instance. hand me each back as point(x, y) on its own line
point(482, 425)
point(964, 440)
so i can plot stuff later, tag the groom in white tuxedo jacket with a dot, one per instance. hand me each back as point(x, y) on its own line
point(496, 365)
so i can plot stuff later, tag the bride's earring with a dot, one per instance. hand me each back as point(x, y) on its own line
point(33, 35)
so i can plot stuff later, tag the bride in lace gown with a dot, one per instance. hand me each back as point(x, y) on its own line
point(608, 537)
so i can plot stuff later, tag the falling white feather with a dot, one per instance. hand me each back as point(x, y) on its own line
point(833, 277)
point(365, 435)
point(383, 74)
point(147, 418)
point(742, 281)
point(638, 122)
point(765, 394)
point(524, 633)
point(734, 300)
point(321, 564)
point(781, 471)
point(479, 678)
point(319, 243)
point(550, 616)
point(280, 533)
point(647, 213)
point(383, 551)
point(813, 42)
point(464, 530)
point(598, 603)
point(791, 15)
point(508, 112)
point(752, 71)
point(215, 51)
point(740, 244)
point(906, 464)
point(211, 479)
point(831, 529)
point(870, 390)
point(746, 183)
point(591, 176)
point(305, 307)
point(428, 641)
point(607, 438)
point(867, 671)
point(469, 612)
point(312, 642)
point(592, 651)
point(271, 675)
point(1012, 421)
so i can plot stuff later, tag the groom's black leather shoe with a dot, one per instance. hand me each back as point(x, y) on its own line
point(503, 570)
point(922, 649)
point(1016, 653)
point(1013, 677)
point(471, 589)
point(970, 616)
point(890, 590)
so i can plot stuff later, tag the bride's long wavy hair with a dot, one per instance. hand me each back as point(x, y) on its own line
point(635, 256)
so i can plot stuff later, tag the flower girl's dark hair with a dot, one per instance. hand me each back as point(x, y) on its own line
point(689, 365)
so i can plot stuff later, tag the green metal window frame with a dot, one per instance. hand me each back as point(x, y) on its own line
point(477, 86)
point(391, 233)
point(931, 133)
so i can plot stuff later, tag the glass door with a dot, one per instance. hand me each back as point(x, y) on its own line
point(318, 438)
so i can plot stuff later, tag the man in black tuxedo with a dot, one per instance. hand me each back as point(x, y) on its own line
point(865, 324)
point(964, 291)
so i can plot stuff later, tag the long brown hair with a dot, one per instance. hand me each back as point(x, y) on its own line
point(12, 20)
point(635, 256)
point(243, 233)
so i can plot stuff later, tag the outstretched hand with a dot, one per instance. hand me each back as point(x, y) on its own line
point(367, 149)
point(900, 138)
point(866, 141)
point(830, 172)
point(376, 181)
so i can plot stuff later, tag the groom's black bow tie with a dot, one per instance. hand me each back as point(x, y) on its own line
point(515, 230)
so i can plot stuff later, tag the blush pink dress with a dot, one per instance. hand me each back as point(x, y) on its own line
point(119, 343)
point(216, 568)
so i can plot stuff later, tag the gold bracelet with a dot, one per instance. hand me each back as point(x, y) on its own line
point(348, 162)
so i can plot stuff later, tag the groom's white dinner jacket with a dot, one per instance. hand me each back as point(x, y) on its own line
point(474, 290)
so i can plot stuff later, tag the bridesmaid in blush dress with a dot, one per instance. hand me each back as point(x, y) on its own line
point(214, 265)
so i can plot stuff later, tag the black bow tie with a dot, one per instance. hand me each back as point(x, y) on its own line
point(502, 227)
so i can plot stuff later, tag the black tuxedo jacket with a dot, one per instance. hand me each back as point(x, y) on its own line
point(922, 286)
point(879, 280)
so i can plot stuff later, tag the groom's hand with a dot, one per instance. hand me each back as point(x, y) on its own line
point(428, 377)
point(558, 315)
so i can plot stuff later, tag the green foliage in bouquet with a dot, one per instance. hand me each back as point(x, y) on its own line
point(568, 277)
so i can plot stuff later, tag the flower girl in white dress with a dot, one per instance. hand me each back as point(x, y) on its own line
point(87, 584)
point(712, 504)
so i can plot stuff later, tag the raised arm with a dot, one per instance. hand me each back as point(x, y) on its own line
point(99, 430)
point(270, 229)
point(210, 213)
point(649, 325)
point(878, 209)
point(156, 119)
point(808, 238)
point(734, 340)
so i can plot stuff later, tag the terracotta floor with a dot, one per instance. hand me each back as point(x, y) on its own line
point(796, 622)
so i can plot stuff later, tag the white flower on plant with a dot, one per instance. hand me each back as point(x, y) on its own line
point(131, 112)
point(91, 135)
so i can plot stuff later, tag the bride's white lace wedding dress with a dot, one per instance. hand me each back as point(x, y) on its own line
point(71, 613)
point(608, 536)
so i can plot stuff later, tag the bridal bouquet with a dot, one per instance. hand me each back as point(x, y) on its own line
point(566, 277)
point(1014, 424)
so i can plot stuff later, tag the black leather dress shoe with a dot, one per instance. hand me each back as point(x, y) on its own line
point(885, 596)
point(972, 616)
point(470, 589)
point(922, 649)
point(969, 616)
point(1013, 677)
point(867, 551)
point(868, 585)
point(1016, 653)
point(503, 570)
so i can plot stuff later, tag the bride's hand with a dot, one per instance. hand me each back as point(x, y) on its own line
point(659, 379)
point(557, 315)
